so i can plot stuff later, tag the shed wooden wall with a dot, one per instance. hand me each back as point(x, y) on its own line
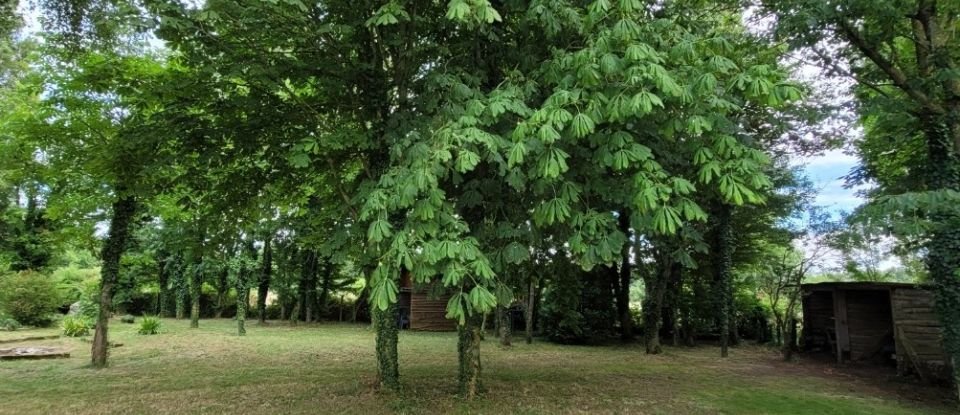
point(429, 314)
point(919, 337)
point(869, 321)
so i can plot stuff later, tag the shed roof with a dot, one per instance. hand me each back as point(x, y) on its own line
point(827, 286)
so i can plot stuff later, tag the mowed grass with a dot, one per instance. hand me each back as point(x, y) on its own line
point(330, 368)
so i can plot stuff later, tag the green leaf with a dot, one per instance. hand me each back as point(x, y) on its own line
point(548, 134)
point(299, 160)
point(517, 151)
point(467, 160)
point(455, 308)
point(379, 230)
point(457, 10)
point(582, 125)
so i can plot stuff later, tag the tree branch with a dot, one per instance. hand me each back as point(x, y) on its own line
point(889, 68)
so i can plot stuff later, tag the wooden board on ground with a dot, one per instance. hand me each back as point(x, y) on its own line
point(26, 353)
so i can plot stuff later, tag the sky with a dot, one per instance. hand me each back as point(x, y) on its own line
point(826, 172)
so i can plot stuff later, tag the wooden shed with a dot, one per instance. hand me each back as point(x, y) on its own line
point(878, 322)
point(423, 308)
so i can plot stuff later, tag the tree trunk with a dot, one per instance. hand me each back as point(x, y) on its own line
point(324, 300)
point(295, 313)
point(724, 250)
point(670, 307)
point(483, 327)
point(196, 282)
point(734, 329)
point(308, 284)
point(789, 339)
point(656, 284)
point(943, 257)
point(222, 290)
point(124, 210)
point(506, 327)
point(677, 306)
point(163, 296)
point(361, 302)
point(180, 283)
point(695, 313)
point(385, 324)
point(531, 301)
point(468, 351)
point(243, 293)
point(263, 288)
point(623, 290)
point(780, 331)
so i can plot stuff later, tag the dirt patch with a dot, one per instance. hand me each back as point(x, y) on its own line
point(864, 377)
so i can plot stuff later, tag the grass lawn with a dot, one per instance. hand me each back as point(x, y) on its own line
point(330, 369)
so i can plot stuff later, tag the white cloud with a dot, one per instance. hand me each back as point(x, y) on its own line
point(829, 158)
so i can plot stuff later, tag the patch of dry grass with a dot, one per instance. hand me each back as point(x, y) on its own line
point(330, 369)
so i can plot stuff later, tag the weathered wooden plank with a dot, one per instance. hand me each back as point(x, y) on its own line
point(31, 338)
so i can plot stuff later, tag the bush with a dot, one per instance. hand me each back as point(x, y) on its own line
point(149, 325)
point(29, 297)
point(89, 309)
point(8, 324)
point(77, 284)
point(128, 319)
point(75, 326)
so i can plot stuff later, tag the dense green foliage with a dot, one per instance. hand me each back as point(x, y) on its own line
point(29, 297)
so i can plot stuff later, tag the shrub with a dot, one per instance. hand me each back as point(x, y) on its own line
point(149, 325)
point(77, 284)
point(128, 319)
point(29, 297)
point(89, 309)
point(8, 324)
point(75, 326)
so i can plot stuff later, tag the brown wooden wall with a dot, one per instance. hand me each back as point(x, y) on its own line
point(429, 314)
point(869, 321)
point(919, 334)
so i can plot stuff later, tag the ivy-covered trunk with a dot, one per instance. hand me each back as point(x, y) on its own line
point(385, 324)
point(243, 293)
point(724, 262)
point(124, 209)
point(675, 304)
point(468, 351)
point(196, 282)
point(222, 289)
point(656, 286)
point(943, 248)
point(263, 288)
point(163, 295)
point(623, 289)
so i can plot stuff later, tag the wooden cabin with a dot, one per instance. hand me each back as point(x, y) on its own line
point(422, 308)
point(876, 322)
